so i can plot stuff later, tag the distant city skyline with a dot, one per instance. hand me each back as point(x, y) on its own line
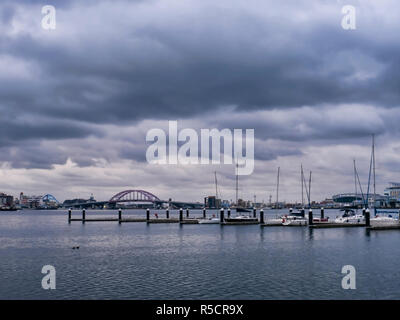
point(76, 102)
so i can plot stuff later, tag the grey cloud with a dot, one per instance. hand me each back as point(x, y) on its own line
point(155, 69)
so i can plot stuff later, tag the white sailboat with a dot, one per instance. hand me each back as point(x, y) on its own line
point(213, 219)
point(242, 217)
point(278, 220)
point(380, 221)
point(298, 218)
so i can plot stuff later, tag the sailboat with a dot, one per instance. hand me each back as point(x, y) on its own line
point(237, 207)
point(380, 221)
point(298, 218)
point(213, 219)
point(275, 221)
point(240, 218)
point(349, 215)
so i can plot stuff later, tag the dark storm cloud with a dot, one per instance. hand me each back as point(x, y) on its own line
point(181, 67)
point(13, 131)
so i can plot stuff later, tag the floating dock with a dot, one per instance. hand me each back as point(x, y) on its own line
point(159, 220)
point(271, 224)
point(231, 223)
point(394, 227)
point(189, 221)
point(95, 219)
point(336, 225)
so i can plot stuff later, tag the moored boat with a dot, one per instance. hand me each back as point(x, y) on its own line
point(212, 220)
point(241, 218)
point(350, 216)
point(384, 222)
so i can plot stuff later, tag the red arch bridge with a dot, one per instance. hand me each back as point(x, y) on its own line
point(141, 198)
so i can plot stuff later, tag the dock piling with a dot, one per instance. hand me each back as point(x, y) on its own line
point(310, 217)
point(167, 213)
point(262, 216)
point(83, 215)
point(254, 212)
point(69, 215)
point(221, 216)
point(367, 218)
point(180, 215)
point(204, 213)
point(119, 215)
point(322, 213)
point(148, 215)
point(302, 212)
point(229, 212)
point(187, 212)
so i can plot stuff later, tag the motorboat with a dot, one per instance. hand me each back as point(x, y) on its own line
point(350, 216)
point(294, 222)
point(384, 221)
point(295, 218)
point(273, 222)
point(211, 220)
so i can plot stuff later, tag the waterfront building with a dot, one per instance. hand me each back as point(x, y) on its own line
point(37, 202)
point(225, 204)
point(212, 202)
point(6, 200)
point(328, 203)
point(29, 202)
point(393, 191)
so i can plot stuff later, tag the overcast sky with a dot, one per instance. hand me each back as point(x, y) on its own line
point(76, 102)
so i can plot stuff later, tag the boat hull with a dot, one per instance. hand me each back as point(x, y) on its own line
point(209, 221)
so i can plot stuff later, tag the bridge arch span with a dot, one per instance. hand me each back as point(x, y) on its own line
point(134, 195)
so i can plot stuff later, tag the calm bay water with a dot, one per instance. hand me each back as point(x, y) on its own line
point(169, 261)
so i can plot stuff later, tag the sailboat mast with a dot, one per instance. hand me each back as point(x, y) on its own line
point(237, 183)
point(302, 186)
point(373, 164)
point(309, 191)
point(277, 188)
point(355, 180)
point(216, 185)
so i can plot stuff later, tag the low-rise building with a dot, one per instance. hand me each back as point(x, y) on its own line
point(212, 202)
point(6, 201)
